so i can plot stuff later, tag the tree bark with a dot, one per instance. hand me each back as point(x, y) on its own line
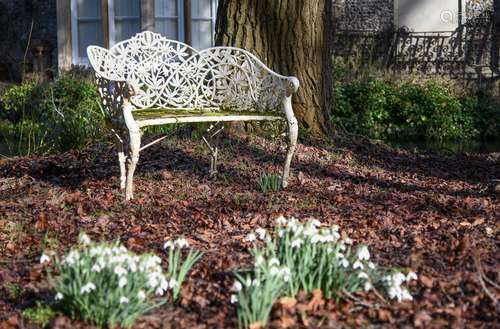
point(292, 37)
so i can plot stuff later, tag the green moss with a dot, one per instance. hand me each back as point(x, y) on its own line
point(155, 113)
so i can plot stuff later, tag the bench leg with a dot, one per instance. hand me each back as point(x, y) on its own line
point(293, 131)
point(133, 158)
point(122, 162)
point(209, 136)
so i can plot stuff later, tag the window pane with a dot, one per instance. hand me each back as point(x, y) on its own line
point(89, 8)
point(428, 15)
point(167, 27)
point(202, 34)
point(126, 28)
point(201, 8)
point(127, 8)
point(165, 8)
point(89, 33)
point(127, 19)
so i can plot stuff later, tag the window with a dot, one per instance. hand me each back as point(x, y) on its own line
point(86, 28)
point(124, 19)
point(169, 18)
point(203, 13)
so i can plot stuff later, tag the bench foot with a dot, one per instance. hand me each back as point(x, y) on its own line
point(133, 158)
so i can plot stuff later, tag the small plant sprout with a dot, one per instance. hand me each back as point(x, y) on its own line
point(109, 286)
point(178, 269)
point(269, 183)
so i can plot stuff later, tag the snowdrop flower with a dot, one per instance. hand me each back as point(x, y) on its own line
point(347, 240)
point(172, 283)
point(255, 283)
point(59, 296)
point(398, 278)
point(274, 261)
point(357, 264)
point(237, 286)
point(274, 271)
point(316, 238)
point(182, 243)
point(297, 243)
point(368, 286)
point(261, 232)
point(44, 259)
point(281, 220)
point(251, 237)
point(234, 299)
point(84, 239)
point(363, 253)
point(344, 262)
point(363, 275)
point(141, 295)
point(371, 265)
point(315, 222)
point(286, 273)
point(120, 271)
point(87, 288)
point(259, 260)
point(169, 244)
point(122, 282)
point(281, 233)
point(310, 231)
point(405, 295)
point(411, 276)
point(124, 300)
point(96, 268)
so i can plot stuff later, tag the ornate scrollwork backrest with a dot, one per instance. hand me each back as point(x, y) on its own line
point(170, 74)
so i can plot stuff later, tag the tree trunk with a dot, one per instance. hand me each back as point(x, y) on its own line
point(292, 37)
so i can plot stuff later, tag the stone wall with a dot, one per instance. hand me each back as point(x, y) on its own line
point(16, 19)
point(363, 15)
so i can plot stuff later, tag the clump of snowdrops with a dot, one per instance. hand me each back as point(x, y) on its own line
point(307, 256)
point(108, 285)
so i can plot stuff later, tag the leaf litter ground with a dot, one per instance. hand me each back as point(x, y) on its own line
point(436, 214)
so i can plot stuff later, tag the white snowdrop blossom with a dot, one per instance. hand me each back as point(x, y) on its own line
point(44, 259)
point(124, 300)
point(274, 261)
point(371, 265)
point(315, 223)
point(251, 237)
point(96, 268)
point(411, 276)
point(84, 239)
point(59, 296)
point(348, 241)
point(122, 282)
point(357, 265)
point(259, 260)
point(168, 244)
point(281, 221)
point(237, 286)
point(120, 271)
point(368, 286)
point(344, 262)
point(141, 295)
point(87, 288)
point(182, 243)
point(297, 243)
point(234, 299)
point(363, 253)
point(172, 283)
point(261, 233)
point(363, 275)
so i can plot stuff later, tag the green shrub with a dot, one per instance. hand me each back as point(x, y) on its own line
point(108, 285)
point(410, 110)
point(50, 117)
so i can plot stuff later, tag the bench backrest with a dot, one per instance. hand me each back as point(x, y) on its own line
point(170, 74)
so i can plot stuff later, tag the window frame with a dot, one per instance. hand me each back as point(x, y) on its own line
point(75, 47)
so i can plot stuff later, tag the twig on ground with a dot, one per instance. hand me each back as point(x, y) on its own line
point(480, 276)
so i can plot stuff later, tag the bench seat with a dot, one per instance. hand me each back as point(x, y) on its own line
point(162, 116)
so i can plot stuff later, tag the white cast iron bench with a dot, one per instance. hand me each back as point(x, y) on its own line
point(149, 80)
